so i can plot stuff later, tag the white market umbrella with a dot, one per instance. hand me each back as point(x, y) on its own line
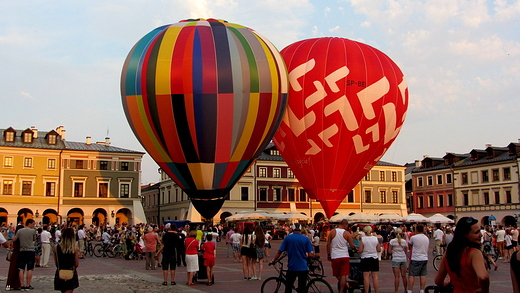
point(338, 217)
point(440, 219)
point(391, 217)
point(257, 216)
point(363, 218)
point(294, 216)
point(235, 217)
point(416, 218)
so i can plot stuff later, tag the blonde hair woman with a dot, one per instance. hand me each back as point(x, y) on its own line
point(66, 257)
point(399, 251)
point(369, 247)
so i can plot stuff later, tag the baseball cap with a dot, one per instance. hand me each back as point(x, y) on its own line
point(297, 227)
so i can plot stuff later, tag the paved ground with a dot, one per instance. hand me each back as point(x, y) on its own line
point(119, 275)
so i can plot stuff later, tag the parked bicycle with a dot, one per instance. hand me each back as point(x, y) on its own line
point(315, 281)
point(89, 248)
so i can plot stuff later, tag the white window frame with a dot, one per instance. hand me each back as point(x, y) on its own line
point(13, 182)
point(420, 181)
point(29, 179)
point(49, 160)
point(122, 181)
point(277, 173)
point(50, 180)
point(429, 180)
point(8, 158)
point(78, 180)
point(103, 180)
point(28, 159)
point(290, 174)
point(262, 170)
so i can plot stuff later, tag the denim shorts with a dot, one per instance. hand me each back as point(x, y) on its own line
point(398, 264)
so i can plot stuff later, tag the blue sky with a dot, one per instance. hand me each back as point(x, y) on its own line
point(61, 62)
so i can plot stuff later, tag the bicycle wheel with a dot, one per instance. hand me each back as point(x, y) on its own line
point(319, 286)
point(112, 251)
point(98, 250)
point(90, 249)
point(273, 284)
point(437, 262)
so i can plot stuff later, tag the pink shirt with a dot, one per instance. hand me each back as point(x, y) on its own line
point(150, 241)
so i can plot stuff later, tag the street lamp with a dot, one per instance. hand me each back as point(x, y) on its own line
point(113, 214)
point(37, 214)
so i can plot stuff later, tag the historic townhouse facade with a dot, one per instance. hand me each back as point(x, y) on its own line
point(52, 180)
point(270, 185)
point(432, 183)
point(487, 184)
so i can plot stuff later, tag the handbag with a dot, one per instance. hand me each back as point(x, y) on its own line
point(9, 255)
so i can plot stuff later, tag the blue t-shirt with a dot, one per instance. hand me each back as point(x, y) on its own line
point(297, 246)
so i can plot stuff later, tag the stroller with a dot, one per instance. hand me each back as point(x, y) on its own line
point(138, 252)
point(356, 275)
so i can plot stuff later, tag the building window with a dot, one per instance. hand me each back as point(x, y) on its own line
point(395, 196)
point(429, 180)
point(507, 173)
point(50, 189)
point(464, 178)
point(474, 177)
point(27, 137)
point(350, 196)
point(263, 194)
point(262, 172)
point(125, 166)
point(124, 190)
point(496, 175)
point(275, 152)
point(290, 173)
point(51, 139)
point(394, 176)
point(449, 179)
point(382, 196)
point(367, 177)
point(486, 198)
point(277, 194)
point(508, 196)
point(51, 164)
point(420, 202)
point(276, 172)
point(497, 197)
point(430, 201)
point(441, 200)
point(465, 198)
point(303, 195)
point(9, 136)
point(368, 196)
point(8, 187)
point(103, 165)
point(8, 162)
point(79, 164)
point(381, 175)
point(244, 193)
point(103, 189)
point(420, 181)
point(450, 199)
point(27, 162)
point(485, 176)
point(290, 192)
point(439, 179)
point(78, 189)
point(26, 187)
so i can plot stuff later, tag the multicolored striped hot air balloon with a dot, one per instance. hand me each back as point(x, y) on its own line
point(204, 97)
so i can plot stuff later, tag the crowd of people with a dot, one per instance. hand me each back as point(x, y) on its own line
point(466, 245)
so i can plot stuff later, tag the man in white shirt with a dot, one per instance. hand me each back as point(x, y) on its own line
point(3, 242)
point(438, 235)
point(419, 260)
point(501, 235)
point(57, 235)
point(45, 239)
point(81, 241)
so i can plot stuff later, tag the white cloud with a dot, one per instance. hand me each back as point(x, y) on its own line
point(26, 95)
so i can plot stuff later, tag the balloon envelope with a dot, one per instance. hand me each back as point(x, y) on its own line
point(204, 98)
point(347, 103)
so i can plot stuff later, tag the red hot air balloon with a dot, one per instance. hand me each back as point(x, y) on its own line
point(204, 98)
point(347, 103)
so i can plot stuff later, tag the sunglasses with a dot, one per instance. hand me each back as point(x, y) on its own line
point(471, 220)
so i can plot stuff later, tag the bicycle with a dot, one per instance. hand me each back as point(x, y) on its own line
point(315, 282)
point(89, 248)
point(111, 250)
point(437, 261)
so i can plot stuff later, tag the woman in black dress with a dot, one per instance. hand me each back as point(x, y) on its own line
point(66, 257)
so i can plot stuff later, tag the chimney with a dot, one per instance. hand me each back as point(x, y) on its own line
point(88, 140)
point(107, 141)
point(61, 131)
point(35, 132)
point(417, 163)
point(488, 145)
